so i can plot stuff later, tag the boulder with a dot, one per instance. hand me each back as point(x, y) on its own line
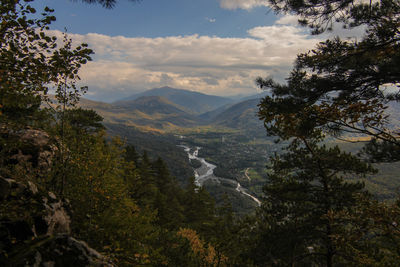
point(31, 146)
point(35, 224)
point(49, 213)
point(60, 251)
point(35, 229)
point(56, 217)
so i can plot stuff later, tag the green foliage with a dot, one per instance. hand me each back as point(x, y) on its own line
point(383, 151)
point(156, 145)
point(305, 185)
point(127, 206)
point(371, 236)
point(199, 208)
point(321, 15)
point(104, 214)
point(105, 3)
point(84, 121)
point(341, 86)
point(312, 213)
point(25, 64)
point(31, 61)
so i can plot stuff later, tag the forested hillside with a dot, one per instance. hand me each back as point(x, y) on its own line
point(61, 177)
point(71, 195)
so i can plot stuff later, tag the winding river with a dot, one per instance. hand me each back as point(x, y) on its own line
point(206, 172)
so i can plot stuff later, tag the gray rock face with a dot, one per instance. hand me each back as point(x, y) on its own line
point(35, 147)
point(50, 216)
point(35, 224)
point(56, 217)
point(60, 251)
point(45, 149)
point(37, 232)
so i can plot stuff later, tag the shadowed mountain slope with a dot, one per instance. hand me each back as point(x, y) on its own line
point(242, 116)
point(192, 102)
point(151, 113)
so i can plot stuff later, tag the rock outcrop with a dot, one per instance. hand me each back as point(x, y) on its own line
point(35, 230)
point(59, 251)
point(33, 147)
point(34, 223)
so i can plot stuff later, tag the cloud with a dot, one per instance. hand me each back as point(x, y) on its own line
point(211, 20)
point(288, 20)
point(338, 30)
point(212, 65)
point(242, 4)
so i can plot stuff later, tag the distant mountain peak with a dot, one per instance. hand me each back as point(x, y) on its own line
point(190, 101)
point(168, 87)
point(153, 98)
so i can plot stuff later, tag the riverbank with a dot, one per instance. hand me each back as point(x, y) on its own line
point(206, 172)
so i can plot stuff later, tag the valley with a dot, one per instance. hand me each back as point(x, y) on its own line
point(228, 131)
point(294, 161)
point(168, 111)
point(231, 137)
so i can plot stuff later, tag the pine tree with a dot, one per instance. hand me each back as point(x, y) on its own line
point(305, 185)
point(199, 208)
point(169, 197)
point(131, 154)
point(341, 86)
point(334, 90)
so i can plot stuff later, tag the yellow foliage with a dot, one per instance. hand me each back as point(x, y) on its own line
point(204, 251)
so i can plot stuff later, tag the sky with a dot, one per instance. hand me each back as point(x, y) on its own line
point(216, 47)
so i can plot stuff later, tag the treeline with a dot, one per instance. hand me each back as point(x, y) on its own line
point(122, 204)
point(125, 205)
point(156, 145)
point(316, 211)
point(130, 208)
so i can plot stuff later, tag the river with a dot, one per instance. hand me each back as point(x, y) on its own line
point(206, 172)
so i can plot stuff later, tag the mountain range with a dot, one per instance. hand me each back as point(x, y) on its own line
point(168, 109)
point(232, 137)
point(190, 101)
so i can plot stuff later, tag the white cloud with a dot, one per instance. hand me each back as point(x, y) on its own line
point(212, 65)
point(211, 20)
point(288, 20)
point(242, 4)
point(338, 30)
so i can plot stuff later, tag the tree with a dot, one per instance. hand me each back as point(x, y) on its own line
point(305, 185)
point(131, 154)
point(372, 234)
point(341, 86)
point(169, 197)
point(24, 64)
point(105, 3)
point(85, 121)
point(338, 88)
point(120, 202)
point(322, 15)
point(199, 208)
point(30, 61)
point(31, 64)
